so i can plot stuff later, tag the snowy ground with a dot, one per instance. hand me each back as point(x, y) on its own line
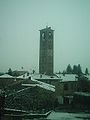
point(65, 116)
point(68, 116)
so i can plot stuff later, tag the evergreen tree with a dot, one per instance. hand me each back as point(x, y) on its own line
point(10, 71)
point(69, 69)
point(86, 71)
point(64, 72)
point(75, 69)
point(79, 70)
point(83, 84)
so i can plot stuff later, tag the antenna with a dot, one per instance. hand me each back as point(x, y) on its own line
point(47, 25)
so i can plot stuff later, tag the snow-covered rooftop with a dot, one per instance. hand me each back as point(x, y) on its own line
point(43, 76)
point(82, 93)
point(41, 84)
point(60, 77)
point(36, 76)
point(24, 76)
point(68, 77)
point(6, 76)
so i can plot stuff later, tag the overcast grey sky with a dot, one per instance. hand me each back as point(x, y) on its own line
point(21, 20)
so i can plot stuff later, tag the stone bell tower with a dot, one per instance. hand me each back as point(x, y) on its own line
point(46, 51)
